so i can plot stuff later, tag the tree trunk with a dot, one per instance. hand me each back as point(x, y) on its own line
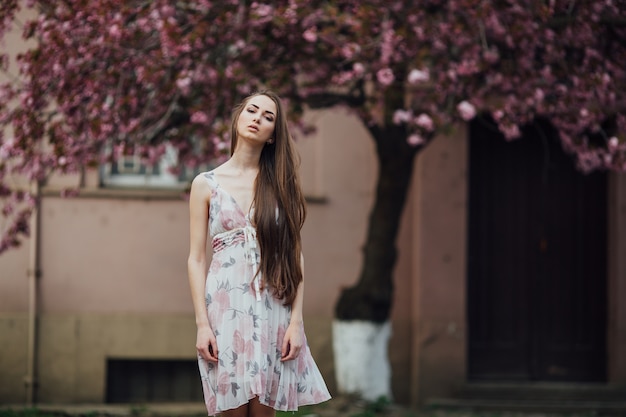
point(371, 297)
point(361, 329)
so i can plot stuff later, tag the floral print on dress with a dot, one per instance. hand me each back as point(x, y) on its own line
point(249, 323)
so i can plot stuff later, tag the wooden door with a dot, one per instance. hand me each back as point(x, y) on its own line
point(537, 255)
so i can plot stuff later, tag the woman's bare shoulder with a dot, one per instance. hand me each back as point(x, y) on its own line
point(223, 170)
point(201, 184)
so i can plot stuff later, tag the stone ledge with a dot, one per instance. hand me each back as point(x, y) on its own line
point(605, 408)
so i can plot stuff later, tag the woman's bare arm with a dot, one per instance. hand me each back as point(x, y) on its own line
point(199, 201)
point(293, 341)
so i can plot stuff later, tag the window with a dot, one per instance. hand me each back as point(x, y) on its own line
point(130, 171)
point(152, 380)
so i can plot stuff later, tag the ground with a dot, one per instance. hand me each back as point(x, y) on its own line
point(343, 406)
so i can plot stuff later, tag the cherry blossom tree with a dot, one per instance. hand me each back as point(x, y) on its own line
point(109, 77)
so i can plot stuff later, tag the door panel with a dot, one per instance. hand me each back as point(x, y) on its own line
point(536, 261)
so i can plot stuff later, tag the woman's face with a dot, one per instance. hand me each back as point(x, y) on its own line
point(257, 120)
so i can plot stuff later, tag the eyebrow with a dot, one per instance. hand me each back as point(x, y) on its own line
point(266, 111)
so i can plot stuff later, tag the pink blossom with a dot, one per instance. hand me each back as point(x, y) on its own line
point(495, 25)
point(387, 44)
point(264, 10)
point(402, 116)
point(491, 55)
point(143, 23)
point(107, 128)
point(167, 11)
point(587, 161)
point(466, 110)
point(415, 139)
point(468, 67)
point(222, 145)
point(310, 35)
point(424, 121)
point(8, 209)
point(439, 46)
point(385, 76)
point(115, 31)
point(510, 131)
point(416, 76)
point(358, 68)
point(6, 148)
point(5, 92)
point(343, 77)
point(350, 49)
point(183, 84)
point(106, 90)
point(199, 117)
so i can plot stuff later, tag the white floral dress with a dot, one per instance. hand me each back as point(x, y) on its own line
point(249, 323)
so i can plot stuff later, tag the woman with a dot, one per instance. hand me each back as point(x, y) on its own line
point(251, 345)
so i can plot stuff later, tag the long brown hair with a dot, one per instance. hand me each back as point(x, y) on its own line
point(279, 206)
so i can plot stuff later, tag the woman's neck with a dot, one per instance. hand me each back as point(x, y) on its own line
point(245, 159)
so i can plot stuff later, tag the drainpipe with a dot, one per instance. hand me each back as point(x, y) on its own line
point(33, 276)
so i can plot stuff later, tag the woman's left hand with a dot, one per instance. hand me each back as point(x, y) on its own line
point(292, 342)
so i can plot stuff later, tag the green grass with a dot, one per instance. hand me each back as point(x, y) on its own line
point(374, 408)
point(26, 412)
point(302, 411)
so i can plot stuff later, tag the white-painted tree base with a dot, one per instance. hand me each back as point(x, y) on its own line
point(361, 361)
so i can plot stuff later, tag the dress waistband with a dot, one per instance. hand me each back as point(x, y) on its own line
point(247, 236)
point(226, 239)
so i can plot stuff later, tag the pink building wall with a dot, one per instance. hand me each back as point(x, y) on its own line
point(111, 255)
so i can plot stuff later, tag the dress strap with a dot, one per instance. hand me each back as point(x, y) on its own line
point(210, 176)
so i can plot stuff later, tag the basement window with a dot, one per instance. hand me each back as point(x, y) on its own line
point(152, 381)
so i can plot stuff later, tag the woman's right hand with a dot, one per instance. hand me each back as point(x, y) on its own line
point(206, 344)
